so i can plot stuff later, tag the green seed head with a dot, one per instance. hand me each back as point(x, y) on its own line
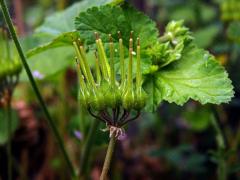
point(102, 88)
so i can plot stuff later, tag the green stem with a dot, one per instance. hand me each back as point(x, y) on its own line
point(129, 85)
point(9, 128)
point(83, 87)
point(103, 59)
point(34, 86)
point(85, 155)
point(139, 75)
point(108, 158)
point(121, 52)
point(98, 73)
point(79, 57)
point(112, 65)
point(87, 67)
point(222, 164)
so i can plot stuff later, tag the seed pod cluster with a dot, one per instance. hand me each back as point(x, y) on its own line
point(101, 90)
point(230, 10)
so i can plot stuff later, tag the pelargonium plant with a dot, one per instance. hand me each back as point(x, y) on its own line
point(168, 67)
point(135, 68)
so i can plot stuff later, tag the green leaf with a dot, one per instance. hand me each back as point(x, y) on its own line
point(197, 75)
point(110, 19)
point(58, 29)
point(63, 21)
point(64, 39)
point(4, 124)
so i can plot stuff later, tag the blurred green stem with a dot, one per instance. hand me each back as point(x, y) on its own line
point(108, 157)
point(222, 164)
point(34, 86)
point(85, 155)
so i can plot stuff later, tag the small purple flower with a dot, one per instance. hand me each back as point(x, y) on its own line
point(78, 134)
point(37, 74)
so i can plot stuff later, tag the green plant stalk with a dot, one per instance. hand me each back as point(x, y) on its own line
point(108, 157)
point(104, 57)
point(79, 57)
point(129, 85)
point(83, 90)
point(101, 63)
point(103, 60)
point(87, 148)
point(121, 52)
point(89, 73)
point(112, 65)
point(139, 75)
point(98, 71)
point(222, 164)
point(83, 87)
point(35, 88)
point(9, 128)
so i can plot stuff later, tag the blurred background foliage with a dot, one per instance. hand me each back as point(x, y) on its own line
point(174, 143)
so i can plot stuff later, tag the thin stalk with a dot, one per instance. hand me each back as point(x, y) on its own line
point(101, 63)
point(88, 70)
point(87, 148)
point(79, 57)
point(121, 53)
point(112, 78)
point(35, 88)
point(103, 59)
point(129, 85)
point(108, 157)
point(222, 164)
point(139, 74)
point(98, 74)
point(9, 128)
point(82, 84)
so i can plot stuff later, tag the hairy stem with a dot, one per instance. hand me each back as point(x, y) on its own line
point(34, 86)
point(108, 157)
point(85, 155)
point(222, 164)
